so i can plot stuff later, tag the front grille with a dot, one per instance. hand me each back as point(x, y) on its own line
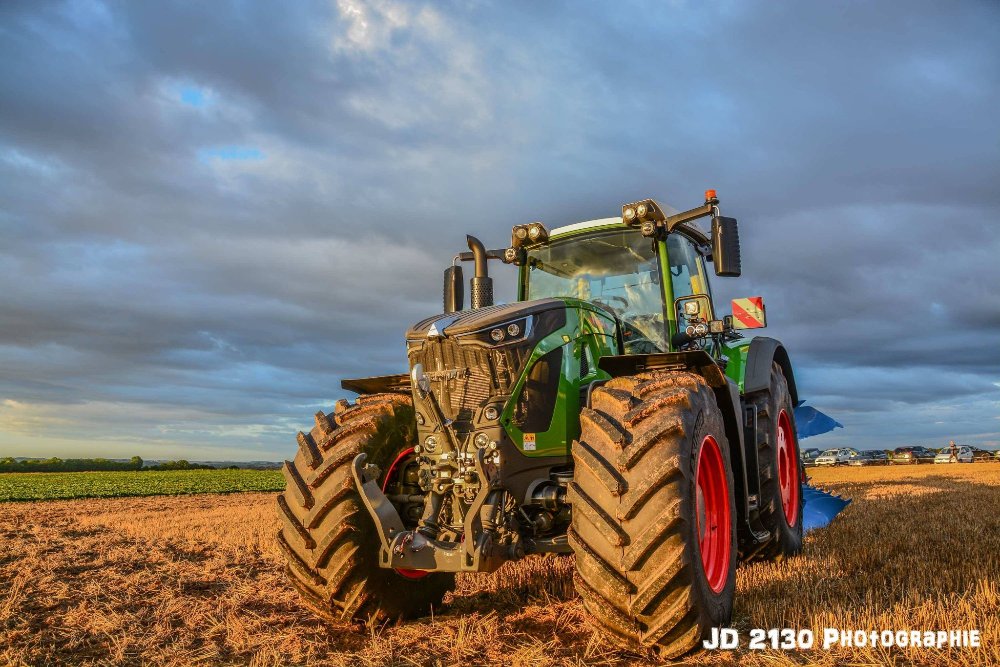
point(465, 375)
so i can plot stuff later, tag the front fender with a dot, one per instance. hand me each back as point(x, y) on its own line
point(757, 372)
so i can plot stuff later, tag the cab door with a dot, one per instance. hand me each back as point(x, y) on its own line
point(685, 268)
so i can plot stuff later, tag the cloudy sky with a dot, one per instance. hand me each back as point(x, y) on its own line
point(211, 212)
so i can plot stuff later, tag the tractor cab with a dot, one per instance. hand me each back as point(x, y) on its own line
point(617, 268)
point(646, 268)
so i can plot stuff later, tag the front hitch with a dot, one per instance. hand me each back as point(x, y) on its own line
point(413, 550)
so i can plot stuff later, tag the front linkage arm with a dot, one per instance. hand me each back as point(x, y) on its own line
point(411, 549)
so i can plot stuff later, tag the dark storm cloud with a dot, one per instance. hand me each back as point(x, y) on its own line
point(212, 212)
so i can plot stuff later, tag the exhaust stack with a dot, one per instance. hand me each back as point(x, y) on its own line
point(481, 284)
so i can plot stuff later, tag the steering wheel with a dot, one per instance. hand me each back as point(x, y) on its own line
point(636, 340)
point(641, 346)
point(603, 301)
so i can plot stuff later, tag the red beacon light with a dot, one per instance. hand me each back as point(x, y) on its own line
point(710, 195)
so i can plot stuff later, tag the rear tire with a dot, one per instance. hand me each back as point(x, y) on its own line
point(638, 508)
point(781, 499)
point(327, 536)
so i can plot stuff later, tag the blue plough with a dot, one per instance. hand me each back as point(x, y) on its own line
point(820, 507)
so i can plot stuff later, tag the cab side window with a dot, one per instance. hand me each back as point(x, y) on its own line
point(687, 267)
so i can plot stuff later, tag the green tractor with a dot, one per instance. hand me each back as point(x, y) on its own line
point(609, 413)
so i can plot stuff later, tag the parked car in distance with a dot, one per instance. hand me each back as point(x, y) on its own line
point(912, 454)
point(963, 454)
point(832, 457)
point(809, 456)
point(869, 458)
point(981, 455)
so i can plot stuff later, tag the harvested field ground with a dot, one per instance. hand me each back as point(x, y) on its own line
point(197, 580)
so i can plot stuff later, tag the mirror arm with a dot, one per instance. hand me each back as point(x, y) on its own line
point(689, 216)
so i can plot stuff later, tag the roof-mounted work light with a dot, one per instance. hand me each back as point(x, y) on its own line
point(514, 256)
point(537, 233)
point(521, 237)
point(645, 214)
point(526, 235)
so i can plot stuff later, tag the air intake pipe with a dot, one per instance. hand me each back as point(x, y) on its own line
point(481, 283)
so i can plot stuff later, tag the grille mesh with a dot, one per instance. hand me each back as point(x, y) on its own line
point(464, 376)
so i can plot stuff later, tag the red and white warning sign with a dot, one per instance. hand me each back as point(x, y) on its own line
point(748, 313)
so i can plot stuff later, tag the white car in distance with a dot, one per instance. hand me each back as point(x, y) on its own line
point(832, 457)
point(962, 455)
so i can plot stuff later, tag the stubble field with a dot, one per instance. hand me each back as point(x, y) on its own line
point(198, 580)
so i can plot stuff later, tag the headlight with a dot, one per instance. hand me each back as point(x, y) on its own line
point(505, 334)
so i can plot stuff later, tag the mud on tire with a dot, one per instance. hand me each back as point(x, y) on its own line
point(635, 528)
point(775, 411)
point(327, 536)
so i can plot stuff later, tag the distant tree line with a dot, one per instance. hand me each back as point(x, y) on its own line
point(10, 464)
point(180, 465)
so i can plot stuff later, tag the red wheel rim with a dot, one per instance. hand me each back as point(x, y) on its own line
point(788, 466)
point(403, 572)
point(714, 519)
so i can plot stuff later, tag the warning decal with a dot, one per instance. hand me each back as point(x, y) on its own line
point(748, 313)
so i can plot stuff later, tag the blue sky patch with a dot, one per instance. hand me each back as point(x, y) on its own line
point(193, 97)
point(230, 153)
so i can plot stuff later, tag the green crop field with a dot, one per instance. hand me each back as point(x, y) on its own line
point(55, 485)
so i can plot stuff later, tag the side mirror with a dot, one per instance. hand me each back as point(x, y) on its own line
point(748, 313)
point(454, 289)
point(726, 247)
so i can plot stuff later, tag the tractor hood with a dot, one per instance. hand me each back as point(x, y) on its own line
point(469, 321)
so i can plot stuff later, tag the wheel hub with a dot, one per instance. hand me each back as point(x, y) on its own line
point(788, 465)
point(713, 514)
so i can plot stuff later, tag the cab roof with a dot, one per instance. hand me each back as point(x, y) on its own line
point(599, 223)
point(585, 226)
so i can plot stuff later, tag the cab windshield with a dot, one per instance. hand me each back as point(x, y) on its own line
point(617, 269)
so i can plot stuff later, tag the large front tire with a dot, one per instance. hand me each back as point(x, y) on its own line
point(327, 536)
point(781, 499)
point(654, 518)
